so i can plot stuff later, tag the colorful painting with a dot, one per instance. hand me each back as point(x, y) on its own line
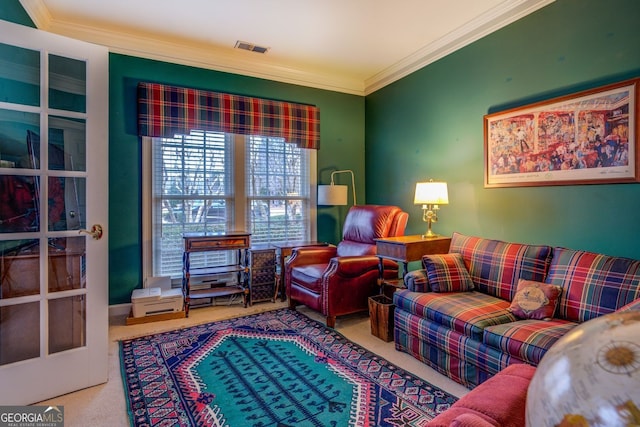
point(585, 138)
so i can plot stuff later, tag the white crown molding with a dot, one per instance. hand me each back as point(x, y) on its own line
point(191, 54)
point(38, 12)
point(204, 56)
point(501, 16)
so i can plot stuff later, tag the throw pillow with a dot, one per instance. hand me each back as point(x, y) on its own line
point(535, 300)
point(447, 273)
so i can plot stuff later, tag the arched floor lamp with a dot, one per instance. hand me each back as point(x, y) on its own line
point(336, 195)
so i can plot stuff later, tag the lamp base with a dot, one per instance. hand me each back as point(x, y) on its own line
point(429, 215)
point(430, 218)
point(430, 235)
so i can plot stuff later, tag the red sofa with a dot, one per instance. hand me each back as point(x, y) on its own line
point(498, 402)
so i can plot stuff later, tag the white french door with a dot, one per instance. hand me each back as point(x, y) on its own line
point(53, 189)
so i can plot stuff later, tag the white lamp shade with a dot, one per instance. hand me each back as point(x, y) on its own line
point(431, 193)
point(330, 195)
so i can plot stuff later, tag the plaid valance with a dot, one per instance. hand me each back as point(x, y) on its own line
point(164, 111)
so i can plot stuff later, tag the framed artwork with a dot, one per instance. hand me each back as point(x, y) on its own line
point(588, 137)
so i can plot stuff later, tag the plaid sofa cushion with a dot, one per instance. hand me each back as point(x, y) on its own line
point(527, 340)
point(496, 266)
point(457, 356)
point(468, 313)
point(594, 284)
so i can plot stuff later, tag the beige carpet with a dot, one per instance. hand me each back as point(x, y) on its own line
point(105, 405)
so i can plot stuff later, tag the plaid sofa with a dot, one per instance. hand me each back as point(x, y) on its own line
point(471, 336)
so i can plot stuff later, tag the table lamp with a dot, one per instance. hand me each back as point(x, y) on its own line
point(430, 195)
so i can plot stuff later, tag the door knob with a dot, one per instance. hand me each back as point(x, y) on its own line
point(95, 232)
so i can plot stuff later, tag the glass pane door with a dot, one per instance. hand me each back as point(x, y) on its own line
point(52, 278)
point(20, 206)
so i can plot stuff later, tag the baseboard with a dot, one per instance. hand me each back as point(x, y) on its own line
point(118, 310)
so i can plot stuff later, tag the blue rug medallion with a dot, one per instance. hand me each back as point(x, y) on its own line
point(278, 368)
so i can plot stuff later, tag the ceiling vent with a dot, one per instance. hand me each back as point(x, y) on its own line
point(251, 47)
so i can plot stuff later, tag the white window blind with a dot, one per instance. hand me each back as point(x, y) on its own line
point(204, 181)
point(277, 189)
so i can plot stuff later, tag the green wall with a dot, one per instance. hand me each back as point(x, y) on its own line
point(430, 125)
point(342, 147)
point(12, 11)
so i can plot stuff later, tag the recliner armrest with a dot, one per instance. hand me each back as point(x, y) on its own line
point(311, 255)
point(352, 266)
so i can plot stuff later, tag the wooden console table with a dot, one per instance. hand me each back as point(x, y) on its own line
point(405, 249)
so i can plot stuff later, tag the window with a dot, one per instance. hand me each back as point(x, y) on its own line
point(217, 182)
point(277, 188)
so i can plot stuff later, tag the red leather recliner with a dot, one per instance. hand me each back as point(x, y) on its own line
point(339, 280)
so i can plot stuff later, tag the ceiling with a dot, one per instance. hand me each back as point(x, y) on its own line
point(351, 46)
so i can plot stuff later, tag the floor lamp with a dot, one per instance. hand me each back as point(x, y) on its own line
point(336, 195)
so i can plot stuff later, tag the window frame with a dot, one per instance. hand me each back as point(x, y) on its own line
point(240, 214)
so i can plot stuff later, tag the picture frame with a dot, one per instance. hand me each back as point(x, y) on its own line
point(589, 137)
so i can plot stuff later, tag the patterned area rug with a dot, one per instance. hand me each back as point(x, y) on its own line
point(278, 368)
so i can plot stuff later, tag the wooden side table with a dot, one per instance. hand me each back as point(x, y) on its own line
point(389, 286)
point(237, 241)
point(405, 249)
point(284, 250)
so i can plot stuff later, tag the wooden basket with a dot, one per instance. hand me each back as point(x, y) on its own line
point(381, 313)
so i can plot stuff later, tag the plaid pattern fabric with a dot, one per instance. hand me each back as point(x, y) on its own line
point(633, 305)
point(417, 281)
point(594, 284)
point(470, 336)
point(468, 313)
point(447, 273)
point(496, 266)
point(164, 111)
point(528, 340)
point(457, 356)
